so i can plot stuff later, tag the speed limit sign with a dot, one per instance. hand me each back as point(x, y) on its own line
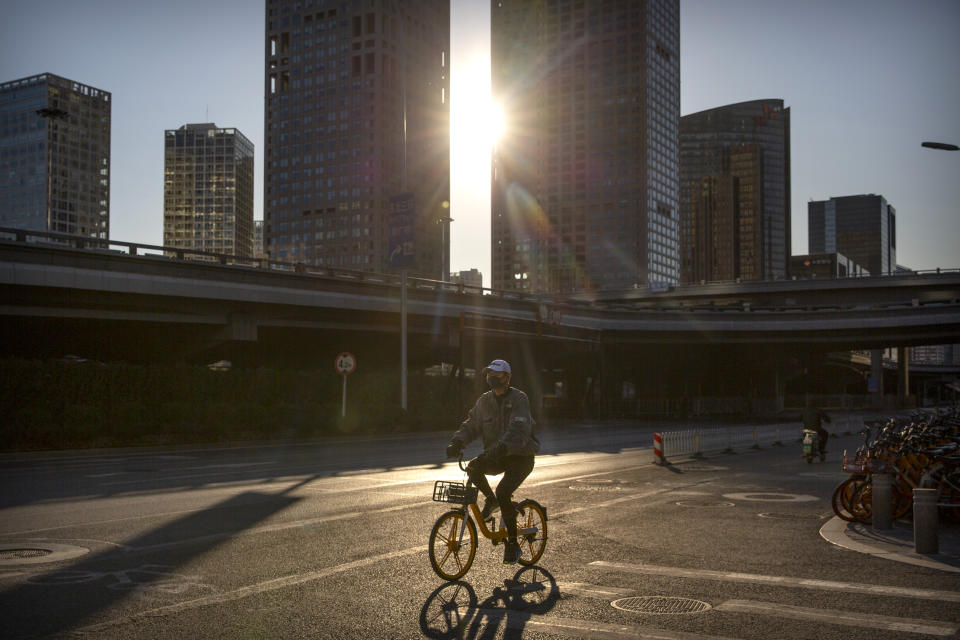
point(345, 363)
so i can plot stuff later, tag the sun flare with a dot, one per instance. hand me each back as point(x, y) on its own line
point(477, 124)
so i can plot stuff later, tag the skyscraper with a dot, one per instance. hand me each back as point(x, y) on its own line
point(208, 190)
point(749, 142)
point(584, 178)
point(55, 166)
point(863, 228)
point(357, 116)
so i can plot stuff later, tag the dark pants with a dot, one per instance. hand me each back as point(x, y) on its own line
point(823, 438)
point(515, 470)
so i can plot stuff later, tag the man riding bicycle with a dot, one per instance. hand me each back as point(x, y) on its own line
point(501, 417)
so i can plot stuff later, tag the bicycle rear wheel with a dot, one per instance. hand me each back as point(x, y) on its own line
point(531, 531)
point(451, 555)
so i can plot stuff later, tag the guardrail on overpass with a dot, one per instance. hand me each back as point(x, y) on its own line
point(243, 294)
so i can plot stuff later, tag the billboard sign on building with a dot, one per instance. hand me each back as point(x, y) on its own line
point(400, 231)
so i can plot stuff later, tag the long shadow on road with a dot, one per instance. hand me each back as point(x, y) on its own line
point(30, 479)
point(66, 598)
point(452, 610)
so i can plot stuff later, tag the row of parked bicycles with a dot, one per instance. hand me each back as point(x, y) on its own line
point(922, 450)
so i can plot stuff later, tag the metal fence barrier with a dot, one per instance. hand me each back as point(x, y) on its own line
point(701, 440)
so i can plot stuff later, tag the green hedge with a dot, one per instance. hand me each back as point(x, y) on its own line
point(65, 405)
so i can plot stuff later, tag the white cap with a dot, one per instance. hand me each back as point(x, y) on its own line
point(498, 365)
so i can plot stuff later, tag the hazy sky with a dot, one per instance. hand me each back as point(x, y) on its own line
point(866, 81)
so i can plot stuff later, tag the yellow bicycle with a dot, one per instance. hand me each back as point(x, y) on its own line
point(453, 539)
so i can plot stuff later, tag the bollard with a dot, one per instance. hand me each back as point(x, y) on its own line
point(658, 449)
point(882, 501)
point(925, 537)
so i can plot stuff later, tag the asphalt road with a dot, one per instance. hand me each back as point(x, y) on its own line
point(328, 540)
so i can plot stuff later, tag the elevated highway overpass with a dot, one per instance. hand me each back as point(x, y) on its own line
point(116, 300)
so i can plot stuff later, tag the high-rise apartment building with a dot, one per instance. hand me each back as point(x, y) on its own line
point(55, 165)
point(584, 178)
point(862, 227)
point(258, 251)
point(208, 190)
point(748, 142)
point(357, 116)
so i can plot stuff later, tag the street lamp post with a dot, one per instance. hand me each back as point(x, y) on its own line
point(444, 222)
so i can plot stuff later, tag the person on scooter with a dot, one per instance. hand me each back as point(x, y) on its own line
point(813, 418)
point(501, 418)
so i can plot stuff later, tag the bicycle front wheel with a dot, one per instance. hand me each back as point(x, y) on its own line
point(450, 553)
point(531, 531)
point(843, 497)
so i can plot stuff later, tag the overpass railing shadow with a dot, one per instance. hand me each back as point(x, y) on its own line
point(63, 599)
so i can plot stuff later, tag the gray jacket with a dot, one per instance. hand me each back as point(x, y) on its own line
point(509, 423)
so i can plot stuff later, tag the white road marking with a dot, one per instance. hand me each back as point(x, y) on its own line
point(254, 589)
point(593, 591)
point(633, 496)
point(588, 475)
point(296, 479)
point(847, 618)
point(587, 629)
point(782, 581)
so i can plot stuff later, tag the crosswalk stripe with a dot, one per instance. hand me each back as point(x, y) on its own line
point(847, 618)
point(587, 629)
point(782, 581)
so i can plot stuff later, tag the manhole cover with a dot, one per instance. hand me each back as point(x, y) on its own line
point(792, 516)
point(758, 496)
point(703, 503)
point(10, 554)
point(661, 605)
point(37, 552)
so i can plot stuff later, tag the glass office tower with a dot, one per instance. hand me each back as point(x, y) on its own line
point(356, 118)
point(208, 190)
point(55, 165)
point(584, 177)
point(862, 227)
point(749, 141)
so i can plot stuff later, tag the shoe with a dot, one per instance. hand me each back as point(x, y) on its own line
point(511, 552)
point(490, 506)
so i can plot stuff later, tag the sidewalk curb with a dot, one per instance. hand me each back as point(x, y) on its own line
point(838, 532)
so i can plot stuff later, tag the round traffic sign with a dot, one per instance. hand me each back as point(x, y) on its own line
point(345, 363)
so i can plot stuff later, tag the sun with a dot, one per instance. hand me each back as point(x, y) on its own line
point(476, 121)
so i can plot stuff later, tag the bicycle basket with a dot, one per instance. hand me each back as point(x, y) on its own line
point(455, 492)
point(855, 464)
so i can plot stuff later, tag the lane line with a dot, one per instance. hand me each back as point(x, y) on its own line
point(253, 590)
point(628, 498)
point(590, 475)
point(273, 528)
point(782, 581)
point(294, 480)
point(588, 629)
point(846, 618)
